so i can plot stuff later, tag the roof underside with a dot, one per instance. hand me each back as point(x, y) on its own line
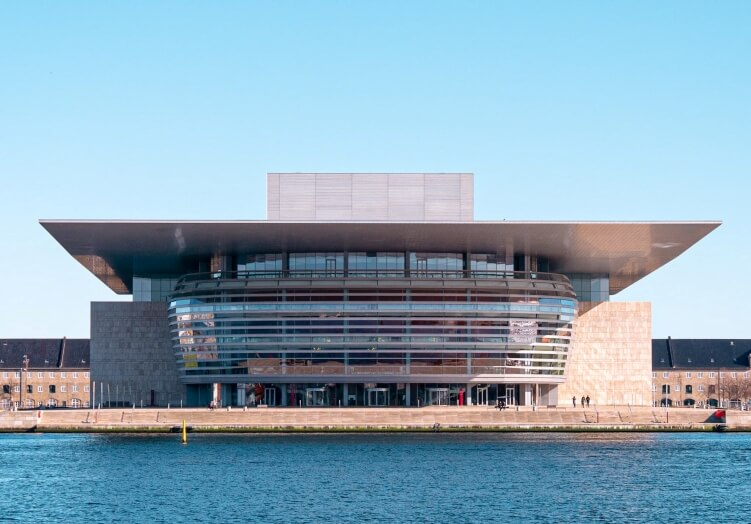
point(627, 251)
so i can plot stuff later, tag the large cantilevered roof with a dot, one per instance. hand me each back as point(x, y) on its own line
point(115, 250)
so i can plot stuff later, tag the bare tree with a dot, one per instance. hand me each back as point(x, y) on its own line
point(737, 388)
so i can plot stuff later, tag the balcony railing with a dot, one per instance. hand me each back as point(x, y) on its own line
point(369, 274)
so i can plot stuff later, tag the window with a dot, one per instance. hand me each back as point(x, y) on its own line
point(17, 374)
point(654, 375)
point(700, 388)
point(40, 374)
point(689, 389)
point(75, 388)
point(16, 389)
point(700, 374)
point(52, 388)
point(6, 389)
point(63, 374)
point(86, 375)
point(62, 388)
point(5, 374)
point(711, 389)
point(711, 374)
point(654, 387)
point(666, 389)
point(29, 388)
point(688, 374)
point(86, 389)
point(745, 375)
point(722, 374)
point(677, 388)
point(52, 374)
point(734, 374)
point(75, 374)
point(665, 374)
point(40, 389)
point(28, 375)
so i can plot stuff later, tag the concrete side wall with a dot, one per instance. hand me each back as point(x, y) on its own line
point(611, 355)
point(131, 352)
point(373, 196)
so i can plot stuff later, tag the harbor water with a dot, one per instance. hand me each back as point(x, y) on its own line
point(434, 477)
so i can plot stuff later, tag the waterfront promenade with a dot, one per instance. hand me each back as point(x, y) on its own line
point(476, 418)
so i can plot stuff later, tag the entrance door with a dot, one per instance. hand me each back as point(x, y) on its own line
point(482, 395)
point(269, 396)
point(510, 395)
point(378, 396)
point(316, 397)
point(438, 396)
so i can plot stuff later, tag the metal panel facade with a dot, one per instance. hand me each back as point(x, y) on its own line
point(370, 196)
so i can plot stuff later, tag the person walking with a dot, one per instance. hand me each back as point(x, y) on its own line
point(574, 400)
point(583, 401)
point(587, 400)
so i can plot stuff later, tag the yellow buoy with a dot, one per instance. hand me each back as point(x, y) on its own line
point(185, 433)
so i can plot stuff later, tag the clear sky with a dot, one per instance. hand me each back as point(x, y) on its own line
point(563, 110)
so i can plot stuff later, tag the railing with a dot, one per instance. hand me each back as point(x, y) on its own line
point(370, 274)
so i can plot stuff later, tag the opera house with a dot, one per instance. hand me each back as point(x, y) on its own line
point(372, 290)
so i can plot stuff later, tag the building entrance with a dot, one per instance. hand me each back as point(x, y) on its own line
point(482, 395)
point(438, 396)
point(510, 395)
point(269, 396)
point(377, 397)
point(316, 397)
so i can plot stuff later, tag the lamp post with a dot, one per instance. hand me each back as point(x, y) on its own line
point(20, 380)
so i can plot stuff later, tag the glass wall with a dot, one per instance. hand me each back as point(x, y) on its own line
point(319, 262)
point(438, 265)
point(386, 264)
point(488, 263)
point(149, 289)
point(265, 262)
point(590, 287)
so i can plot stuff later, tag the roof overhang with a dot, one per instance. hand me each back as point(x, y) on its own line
point(115, 250)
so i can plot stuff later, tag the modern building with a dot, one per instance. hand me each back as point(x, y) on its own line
point(701, 372)
point(44, 373)
point(372, 289)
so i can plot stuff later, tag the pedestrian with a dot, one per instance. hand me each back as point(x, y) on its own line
point(587, 400)
point(583, 401)
point(573, 399)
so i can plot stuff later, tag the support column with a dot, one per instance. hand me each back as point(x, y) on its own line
point(283, 393)
point(468, 394)
point(345, 394)
point(408, 397)
point(526, 394)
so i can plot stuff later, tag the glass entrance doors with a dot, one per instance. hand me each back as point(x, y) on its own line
point(269, 396)
point(377, 397)
point(482, 395)
point(438, 397)
point(316, 397)
point(510, 396)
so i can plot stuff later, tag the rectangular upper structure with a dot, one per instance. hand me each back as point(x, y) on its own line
point(373, 197)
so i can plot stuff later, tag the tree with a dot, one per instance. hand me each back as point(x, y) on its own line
point(737, 388)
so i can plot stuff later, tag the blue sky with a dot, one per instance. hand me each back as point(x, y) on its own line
point(564, 111)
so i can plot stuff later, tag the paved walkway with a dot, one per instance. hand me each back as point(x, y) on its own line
point(372, 419)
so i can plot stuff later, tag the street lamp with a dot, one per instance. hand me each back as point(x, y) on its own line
point(20, 380)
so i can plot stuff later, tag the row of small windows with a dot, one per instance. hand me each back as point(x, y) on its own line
point(700, 374)
point(51, 403)
point(689, 388)
point(52, 388)
point(50, 374)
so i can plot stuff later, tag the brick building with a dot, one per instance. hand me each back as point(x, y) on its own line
point(701, 372)
point(44, 373)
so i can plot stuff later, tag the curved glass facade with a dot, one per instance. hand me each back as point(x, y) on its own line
point(330, 325)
